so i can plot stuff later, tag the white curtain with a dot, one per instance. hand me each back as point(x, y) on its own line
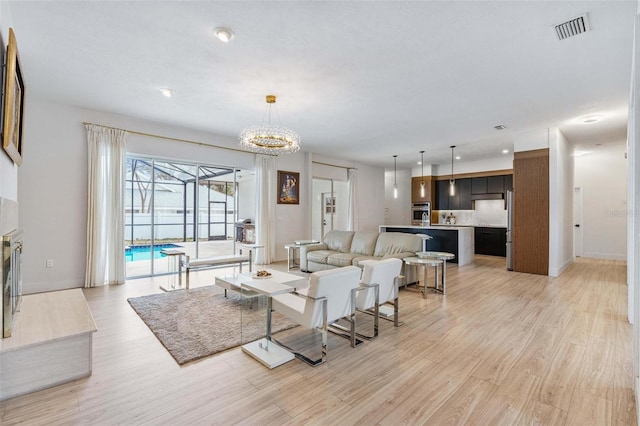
point(265, 208)
point(105, 213)
point(352, 213)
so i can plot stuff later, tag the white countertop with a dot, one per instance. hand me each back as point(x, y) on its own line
point(451, 227)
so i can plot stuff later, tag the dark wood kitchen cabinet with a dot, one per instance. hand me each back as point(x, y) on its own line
point(442, 195)
point(495, 184)
point(491, 241)
point(479, 185)
point(463, 191)
point(508, 184)
point(460, 201)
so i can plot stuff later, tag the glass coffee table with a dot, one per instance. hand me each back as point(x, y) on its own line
point(251, 286)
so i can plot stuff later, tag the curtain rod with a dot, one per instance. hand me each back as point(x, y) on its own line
point(169, 138)
point(333, 165)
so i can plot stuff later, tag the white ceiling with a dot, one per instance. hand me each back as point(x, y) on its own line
point(357, 80)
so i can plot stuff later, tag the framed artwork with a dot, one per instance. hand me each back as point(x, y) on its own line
point(3, 55)
point(13, 103)
point(288, 187)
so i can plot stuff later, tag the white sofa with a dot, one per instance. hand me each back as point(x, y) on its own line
point(346, 248)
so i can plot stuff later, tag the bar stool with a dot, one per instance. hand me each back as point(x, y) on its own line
point(424, 263)
point(440, 255)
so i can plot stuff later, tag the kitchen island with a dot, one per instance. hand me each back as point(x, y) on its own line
point(458, 240)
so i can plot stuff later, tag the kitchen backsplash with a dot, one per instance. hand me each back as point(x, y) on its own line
point(487, 213)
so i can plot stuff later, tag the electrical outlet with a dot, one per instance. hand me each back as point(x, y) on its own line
point(49, 263)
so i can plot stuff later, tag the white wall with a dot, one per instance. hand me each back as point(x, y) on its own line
point(428, 170)
point(370, 193)
point(633, 219)
point(561, 171)
point(53, 189)
point(530, 140)
point(397, 211)
point(602, 175)
point(291, 219)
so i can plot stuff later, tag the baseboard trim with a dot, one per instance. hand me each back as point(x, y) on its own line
point(607, 256)
point(42, 287)
point(559, 271)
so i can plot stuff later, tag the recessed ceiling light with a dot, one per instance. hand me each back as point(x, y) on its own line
point(578, 153)
point(419, 163)
point(457, 157)
point(167, 92)
point(223, 34)
point(591, 119)
point(500, 127)
point(505, 151)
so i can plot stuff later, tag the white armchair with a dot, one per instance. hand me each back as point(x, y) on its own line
point(331, 295)
point(379, 285)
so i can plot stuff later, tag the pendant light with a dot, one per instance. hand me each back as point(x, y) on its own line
point(395, 177)
point(422, 181)
point(270, 138)
point(452, 182)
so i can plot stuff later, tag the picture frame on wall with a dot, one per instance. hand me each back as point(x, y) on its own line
point(13, 102)
point(3, 56)
point(288, 187)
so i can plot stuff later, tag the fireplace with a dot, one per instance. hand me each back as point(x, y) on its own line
point(11, 279)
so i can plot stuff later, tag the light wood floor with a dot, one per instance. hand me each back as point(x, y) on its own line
point(500, 348)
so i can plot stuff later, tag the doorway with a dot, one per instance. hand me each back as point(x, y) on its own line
point(217, 220)
point(184, 206)
point(329, 208)
point(577, 222)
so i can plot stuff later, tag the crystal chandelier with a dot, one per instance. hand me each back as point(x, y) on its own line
point(270, 138)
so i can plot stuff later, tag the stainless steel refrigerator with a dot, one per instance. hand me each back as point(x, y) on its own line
point(510, 230)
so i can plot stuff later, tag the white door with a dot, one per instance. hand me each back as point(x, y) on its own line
point(577, 222)
point(329, 210)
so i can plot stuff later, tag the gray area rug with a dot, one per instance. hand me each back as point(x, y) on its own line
point(196, 323)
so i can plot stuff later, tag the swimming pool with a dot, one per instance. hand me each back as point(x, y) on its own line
point(135, 253)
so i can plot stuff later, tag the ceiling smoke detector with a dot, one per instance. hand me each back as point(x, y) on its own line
point(573, 27)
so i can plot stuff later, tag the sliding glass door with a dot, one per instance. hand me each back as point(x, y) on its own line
point(178, 205)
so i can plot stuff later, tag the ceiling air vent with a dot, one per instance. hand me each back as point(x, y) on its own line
point(572, 27)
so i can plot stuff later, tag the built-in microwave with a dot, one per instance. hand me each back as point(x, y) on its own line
point(421, 214)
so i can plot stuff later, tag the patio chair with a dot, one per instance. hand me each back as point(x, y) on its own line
point(331, 295)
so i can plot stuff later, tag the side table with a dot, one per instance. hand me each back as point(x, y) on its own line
point(293, 253)
point(424, 263)
point(444, 256)
point(174, 257)
point(251, 248)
